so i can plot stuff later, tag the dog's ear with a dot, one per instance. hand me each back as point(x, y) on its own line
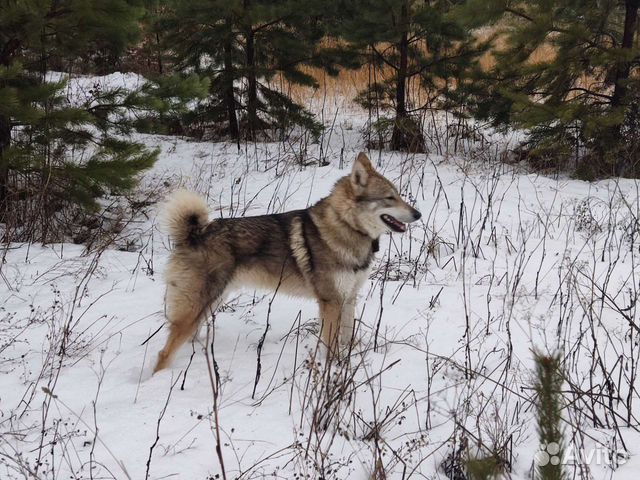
point(361, 170)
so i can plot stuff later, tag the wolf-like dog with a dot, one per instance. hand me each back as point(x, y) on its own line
point(323, 252)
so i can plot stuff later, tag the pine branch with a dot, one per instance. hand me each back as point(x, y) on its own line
point(382, 57)
point(548, 386)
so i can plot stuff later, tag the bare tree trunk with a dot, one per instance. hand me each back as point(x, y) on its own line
point(229, 95)
point(6, 54)
point(5, 140)
point(407, 135)
point(623, 69)
point(159, 55)
point(399, 140)
point(250, 72)
point(252, 84)
point(401, 87)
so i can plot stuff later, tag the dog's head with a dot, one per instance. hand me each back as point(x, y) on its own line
point(378, 204)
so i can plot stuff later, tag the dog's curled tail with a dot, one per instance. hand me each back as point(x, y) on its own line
point(184, 216)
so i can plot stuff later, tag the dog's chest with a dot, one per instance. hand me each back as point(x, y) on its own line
point(357, 259)
point(349, 282)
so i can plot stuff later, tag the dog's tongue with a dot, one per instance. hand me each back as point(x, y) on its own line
point(399, 225)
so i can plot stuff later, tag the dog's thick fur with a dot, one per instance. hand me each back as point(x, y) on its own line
point(322, 252)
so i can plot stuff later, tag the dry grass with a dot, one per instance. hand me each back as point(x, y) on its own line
point(348, 83)
point(345, 85)
point(545, 53)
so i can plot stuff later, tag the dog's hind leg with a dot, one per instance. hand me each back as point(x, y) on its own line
point(180, 330)
point(187, 304)
point(184, 313)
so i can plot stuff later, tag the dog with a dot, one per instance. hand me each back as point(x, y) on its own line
point(322, 252)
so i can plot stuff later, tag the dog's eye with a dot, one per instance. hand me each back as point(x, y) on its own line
point(389, 198)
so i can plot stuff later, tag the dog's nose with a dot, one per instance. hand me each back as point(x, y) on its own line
point(416, 214)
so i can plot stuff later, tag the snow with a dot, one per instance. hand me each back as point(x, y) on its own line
point(502, 262)
point(83, 88)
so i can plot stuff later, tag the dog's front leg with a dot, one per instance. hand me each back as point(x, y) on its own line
point(347, 321)
point(330, 313)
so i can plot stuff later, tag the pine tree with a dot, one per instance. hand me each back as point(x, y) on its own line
point(149, 54)
point(413, 40)
point(59, 157)
point(548, 386)
point(241, 46)
point(484, 468)
point(161, 104)
point(565, 73)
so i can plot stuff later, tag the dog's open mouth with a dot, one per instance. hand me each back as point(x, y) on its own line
point(393, 224)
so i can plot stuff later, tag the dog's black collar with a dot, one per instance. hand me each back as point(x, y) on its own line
point(375, 243)
point(375, 246)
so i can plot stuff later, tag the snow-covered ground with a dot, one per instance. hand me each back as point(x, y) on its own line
point(503, 262)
